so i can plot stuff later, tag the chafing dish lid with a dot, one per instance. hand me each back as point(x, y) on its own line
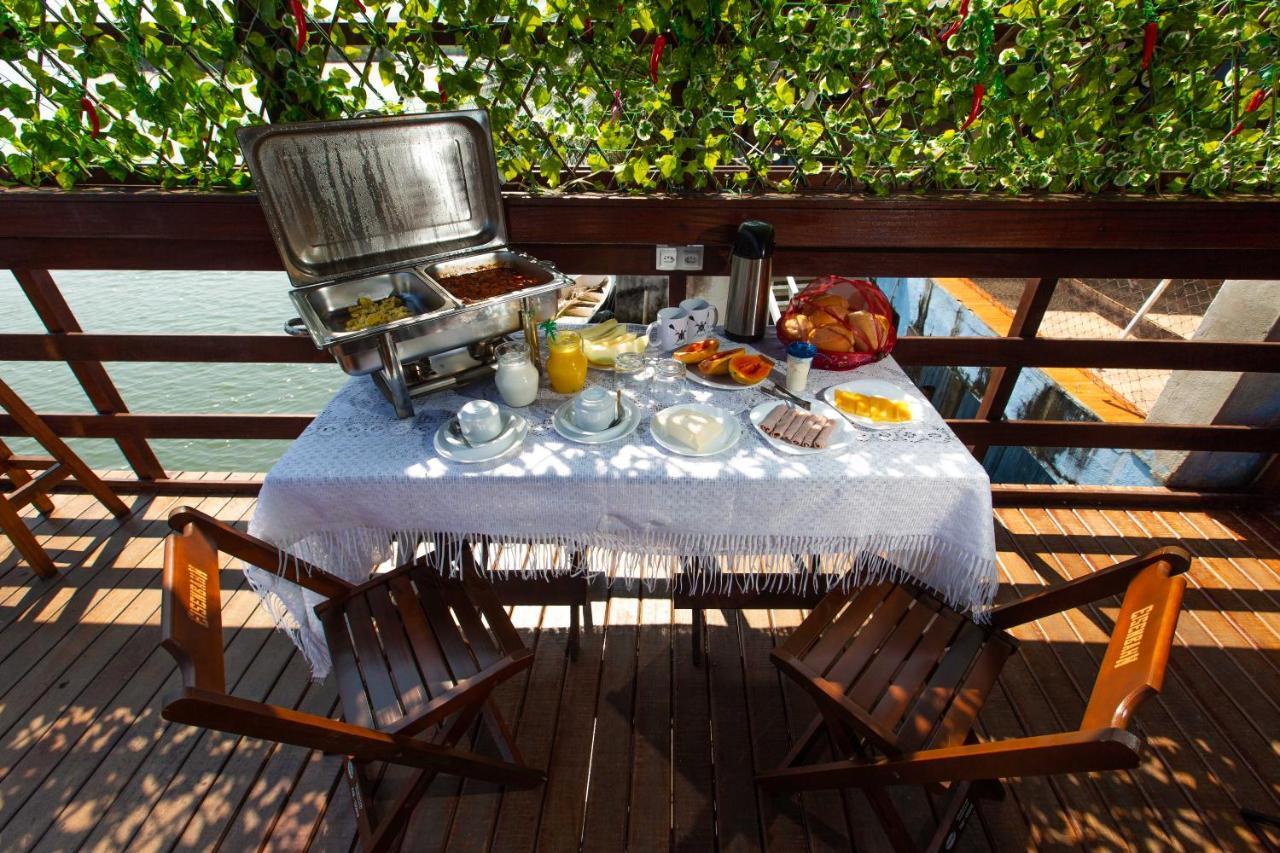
point(344, 198)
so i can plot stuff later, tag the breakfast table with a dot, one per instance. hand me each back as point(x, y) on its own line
point(361, 486)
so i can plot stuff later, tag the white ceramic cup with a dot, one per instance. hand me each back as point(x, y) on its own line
point(703, 317)
point(671, 329)
point(594, 409)
point(480, 421)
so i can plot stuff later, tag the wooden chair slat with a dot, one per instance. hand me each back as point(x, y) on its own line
point(844, 627)
point(456, 653)
point(936, 696)
point(863, 648)
point(914, 674)
point(477, 636)
point(800, 640)
point(355, 703)
point(972, 695)
point(374, 670)
point(404, 672)
point(875, 678)
point(426, 649)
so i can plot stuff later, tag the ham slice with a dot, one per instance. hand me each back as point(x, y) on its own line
point(780, 428)
point(796, 428)
point(771, 419)
point(825, 435)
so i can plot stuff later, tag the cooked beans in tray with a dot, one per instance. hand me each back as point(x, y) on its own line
point(487, 283)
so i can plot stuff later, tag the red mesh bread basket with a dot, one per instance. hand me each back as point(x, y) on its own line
point(817, 306)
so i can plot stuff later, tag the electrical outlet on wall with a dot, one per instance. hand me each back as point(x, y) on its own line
point(690, 258)
point(668, 257)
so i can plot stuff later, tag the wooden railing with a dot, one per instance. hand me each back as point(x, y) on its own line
point(1042, 240)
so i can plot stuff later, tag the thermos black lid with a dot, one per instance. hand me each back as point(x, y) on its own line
point(754, 240)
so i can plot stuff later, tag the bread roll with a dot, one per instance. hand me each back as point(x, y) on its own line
point(832, 302)
point(797, 327)
point(833, 338)
point(871, 330)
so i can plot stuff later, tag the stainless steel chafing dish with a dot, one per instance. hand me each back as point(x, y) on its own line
point(392, 205)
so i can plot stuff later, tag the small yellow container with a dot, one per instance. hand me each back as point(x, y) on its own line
point(566, 363)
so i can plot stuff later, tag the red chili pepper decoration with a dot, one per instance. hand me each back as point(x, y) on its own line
point(360, 6)
point(300, 22)
point(1151, 32)
point(444, 95)
point(95, 124)
point(655, 56)
point(975, 109)
point(954, 27)
point(588, 29)
point(616, 112)
point(1255, 102)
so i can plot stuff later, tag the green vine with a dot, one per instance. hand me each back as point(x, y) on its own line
point(744, 96)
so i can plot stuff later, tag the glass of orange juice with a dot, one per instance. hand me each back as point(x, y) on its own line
point(566, 363)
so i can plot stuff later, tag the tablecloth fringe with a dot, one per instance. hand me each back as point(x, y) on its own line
point(726, 563)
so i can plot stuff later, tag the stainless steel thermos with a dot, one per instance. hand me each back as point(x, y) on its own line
point(750, 277)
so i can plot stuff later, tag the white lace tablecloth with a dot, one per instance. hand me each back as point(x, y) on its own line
point(360, 486)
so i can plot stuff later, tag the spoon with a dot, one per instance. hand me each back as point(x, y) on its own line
point(618, 408)
point(455, 429)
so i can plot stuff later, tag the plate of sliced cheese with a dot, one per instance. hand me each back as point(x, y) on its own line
point(874, 403)
point(696, 429)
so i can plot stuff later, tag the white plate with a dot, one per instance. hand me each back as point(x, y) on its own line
point(876, 388)
point(729, 435)
point(564, 425)
point(450, 447)
point(724, 382)
point(840, 438)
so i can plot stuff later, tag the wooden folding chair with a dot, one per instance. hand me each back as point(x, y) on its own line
point(416, 654)
point(61, 463)
point(899, 679)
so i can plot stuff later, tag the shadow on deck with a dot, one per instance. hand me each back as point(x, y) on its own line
point(644, 749)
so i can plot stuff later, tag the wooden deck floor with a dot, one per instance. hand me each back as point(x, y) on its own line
point(645, 751)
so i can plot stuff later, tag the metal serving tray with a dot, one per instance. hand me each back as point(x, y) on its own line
point(352, 198)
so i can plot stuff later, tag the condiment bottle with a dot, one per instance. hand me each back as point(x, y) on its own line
point(517, 378)
point(799, 358)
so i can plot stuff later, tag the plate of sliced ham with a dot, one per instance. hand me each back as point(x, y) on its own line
point(791, 429)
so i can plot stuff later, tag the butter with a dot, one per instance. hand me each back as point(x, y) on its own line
point(879, 409)
point(693, 429)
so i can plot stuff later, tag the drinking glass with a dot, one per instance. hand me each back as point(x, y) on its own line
point(667, 387)
point(631, 376)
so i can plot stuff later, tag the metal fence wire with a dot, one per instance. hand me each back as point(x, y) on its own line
point(1116, 308)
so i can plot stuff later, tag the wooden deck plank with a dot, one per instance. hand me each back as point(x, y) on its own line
point(85, 761)
point(692, 798)
point(563, 815)
point(649, 827)
point(610, 787)
point(738, 820)
point(516, 828)
point(477, 812)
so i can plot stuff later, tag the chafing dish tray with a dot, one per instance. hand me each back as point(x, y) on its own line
point(396, 205)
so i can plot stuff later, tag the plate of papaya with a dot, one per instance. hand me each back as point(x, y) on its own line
point(725, 366)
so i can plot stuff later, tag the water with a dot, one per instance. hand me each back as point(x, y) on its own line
point(172, 302)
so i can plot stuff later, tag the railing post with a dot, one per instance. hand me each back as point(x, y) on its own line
point(43, 293)
point(1026, 324)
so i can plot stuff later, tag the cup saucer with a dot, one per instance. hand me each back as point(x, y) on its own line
point(453, 448)
point(564, 425)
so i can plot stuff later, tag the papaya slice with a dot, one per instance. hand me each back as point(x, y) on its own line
point(718, 364)
point(749, 369)
point(697, 351)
